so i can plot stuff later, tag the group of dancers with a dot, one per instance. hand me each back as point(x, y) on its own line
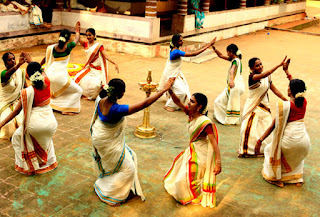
point(26, 115)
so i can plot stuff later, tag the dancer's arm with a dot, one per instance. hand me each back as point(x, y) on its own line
point(220, 54)
point(11, 71)
point(264, 136)
point(194, 53)
point(77, 38)
point(285, 68)
point(12, 115)
point(177, 101)
point(213, 141)
point(231, 76)
point(257, 77)
point(277, 92)
point(81, 41)
point(151, 99)
point(106, 57)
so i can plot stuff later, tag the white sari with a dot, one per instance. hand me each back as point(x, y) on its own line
point(32, 141)
point(191, 180)
point(180, 86)
point(227, 104)
point(94, 73)
point(35, 15)
point(66, 93)
point(284, 157)
point(256, 118)
point(9, 98)
point(11, 7)
point(115, 163)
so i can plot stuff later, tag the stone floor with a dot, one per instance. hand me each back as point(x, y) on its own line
point(241, 191)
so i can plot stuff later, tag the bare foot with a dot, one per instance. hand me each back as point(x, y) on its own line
point(93, 9)
point(84, 97)
point(168, 109)
point(299, 184)
point(68, 113)
point(277, 183)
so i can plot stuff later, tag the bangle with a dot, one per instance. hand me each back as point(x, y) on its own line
point(259, 141)
point(289, 76)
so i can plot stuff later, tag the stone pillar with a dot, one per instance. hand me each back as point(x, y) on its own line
point(243, 3)
point(267, 2)
point(183, 7)
point(151, 9)
point(205, 6)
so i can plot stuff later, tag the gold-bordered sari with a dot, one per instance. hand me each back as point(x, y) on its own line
point(190, 178)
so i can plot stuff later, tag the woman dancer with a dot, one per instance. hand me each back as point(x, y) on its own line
point(284, 157)
point(66, 93)
point(95, 71)
point(227, 104)
point(173, 69)
point(12, 81)
point(32, 141)
point(256, 113)
point(115, 162)
point(191, 178)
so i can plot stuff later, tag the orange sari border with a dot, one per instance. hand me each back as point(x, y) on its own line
point(36, 172)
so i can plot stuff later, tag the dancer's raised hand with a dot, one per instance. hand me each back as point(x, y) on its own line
point(283, 61)
point(213, 41)
point(27, 57)
point(169, 83)
point(78, 26)
point(21, 59)
point(285, 66)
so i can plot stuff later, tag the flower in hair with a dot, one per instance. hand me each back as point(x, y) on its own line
point(37, 76)
point(171, 44)
point(300, 94)
point(108, 89)
point(238, 53)
point(205, 110)
point(63, 39)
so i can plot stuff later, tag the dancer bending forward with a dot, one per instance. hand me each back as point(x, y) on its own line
point(256, 116)
point(227, 104)
point(32, 141)
point(284, 157)
point(115, 162)
point(173, 69)
point(95, 72)
point(66, 93)
point(192, 176)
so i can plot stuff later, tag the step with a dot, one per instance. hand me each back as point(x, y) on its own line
point(298, 25)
